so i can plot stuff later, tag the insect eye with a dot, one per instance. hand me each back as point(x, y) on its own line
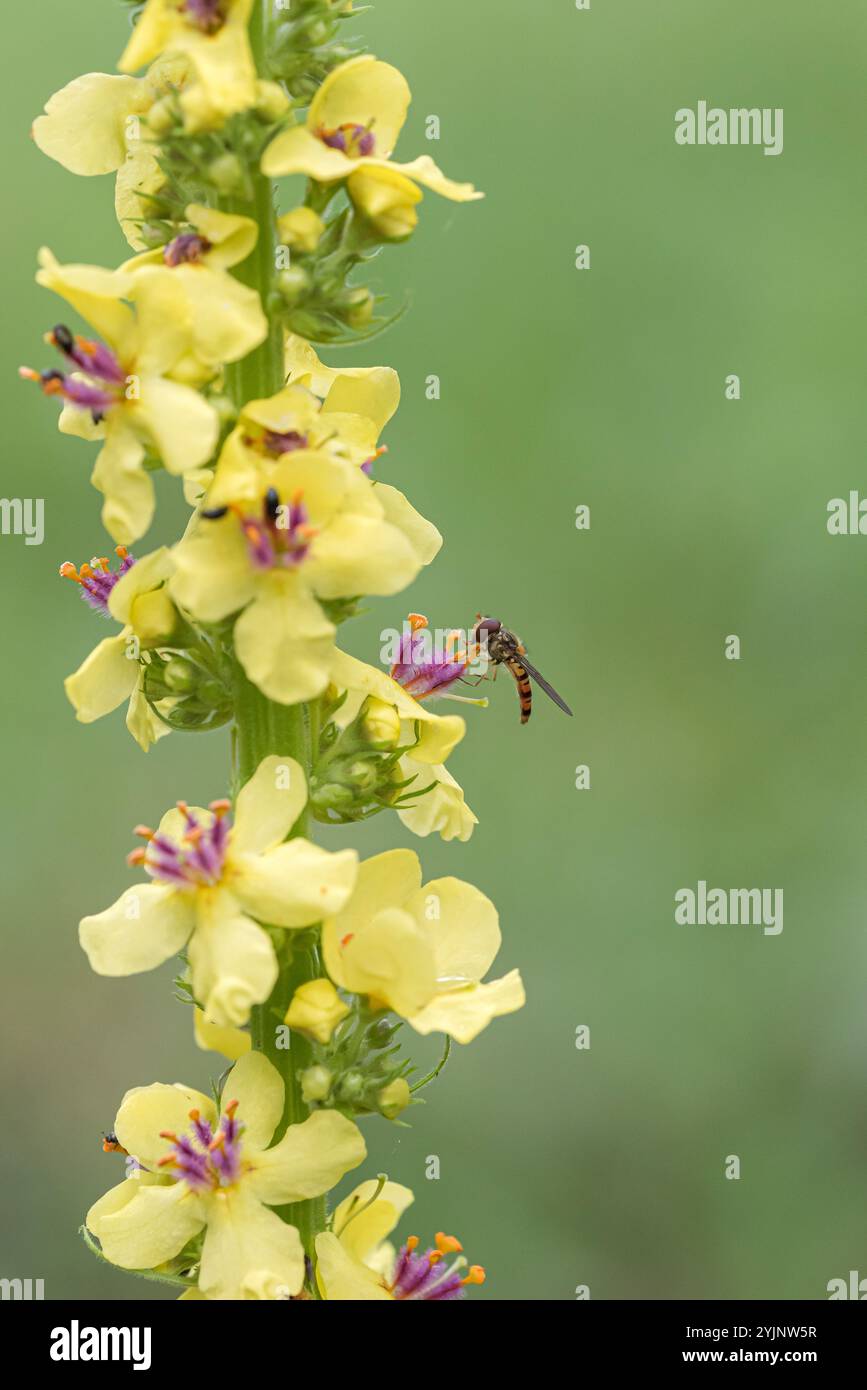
point(488, 625)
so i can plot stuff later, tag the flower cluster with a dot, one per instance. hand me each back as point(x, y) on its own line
point(197, 356)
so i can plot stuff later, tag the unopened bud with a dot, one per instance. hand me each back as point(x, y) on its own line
point(394, 1098)
point(315, 1084)
point(293, 284)
point(227, 173)
point(380, 722)
point(180, 675)
point(358, 308)
point(300, 229)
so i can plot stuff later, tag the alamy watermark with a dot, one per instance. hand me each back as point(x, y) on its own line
point(736, 125)
point(23, 516)
point(721, 907)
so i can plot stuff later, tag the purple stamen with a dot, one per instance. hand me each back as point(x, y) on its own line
point(186, 249)
point(355, 141)
point(425, 1277)
point(207, 15)
point(206, 1160)
point(197, 859)
point(420, 670)
point(96, 580)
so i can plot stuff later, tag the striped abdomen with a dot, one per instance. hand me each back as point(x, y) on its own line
point(525, 690)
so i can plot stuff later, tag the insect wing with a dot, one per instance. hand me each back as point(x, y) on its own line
point(543, 685)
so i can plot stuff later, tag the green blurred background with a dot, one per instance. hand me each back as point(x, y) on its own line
point(606, 387)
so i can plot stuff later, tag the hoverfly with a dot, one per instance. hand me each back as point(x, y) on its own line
point(505, 649)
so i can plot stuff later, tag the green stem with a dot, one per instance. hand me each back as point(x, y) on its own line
point(263, 727)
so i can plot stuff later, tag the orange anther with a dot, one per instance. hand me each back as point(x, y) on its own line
point(344, 942)
point(416, 621)
point(475, 1275)
point(448, 1245)
point(230, 1109)
point(144, 832)
point(220, 808)
point(412, 1243)
point(68, 570)
point(136, 856)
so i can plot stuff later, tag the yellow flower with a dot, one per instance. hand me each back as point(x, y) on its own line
point(217, 1175)
point(394, 1098)
point(187, 279)
point(232, 1042)
point(352, 127)
point(214, 38)
point(316, 1009)
point(371, 392)
point(283, 534)
point(94, 126)
point(420, 950)
point(355, 1262)
point(442, 810)
point(119, 390)
point(212, 883)
point(135, 595)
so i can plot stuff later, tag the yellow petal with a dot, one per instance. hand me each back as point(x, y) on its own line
point(385, 880)
point(422, 535)
point(232, 960)
point(256, 1085)
point(341, 1278)
point(316, 1009)
point(441, 811)
point(213, 577)
point(424, 171)
point(360, 555)
point(374, 395)
point(364, 92)
point(309, 1159)
point(128, 490)
point(144, 725)
point(145, 1111)
point(181, 424)
point(147, 925)
point(462, 925)
point(247, 1247)
point(216, 1037)
point(84, 123)
point(389, 958)
point(152, 1227)
point(298, 151)
point(268, 805)
point(387, 199)
point(293, 885)
point(232, 237)
point(146, 574)
point(284, 641)
point(464, 1013)
point(96, 294)
point(104, 679)
point(361, 1236)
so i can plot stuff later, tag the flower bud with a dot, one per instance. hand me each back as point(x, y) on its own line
point(358, 307)
point(153, 617)
point(271, 101)
point(380, 722)
point(351, 1085)
point(293, 284)
point(315, 1084)
point(180, 675)
point(394, 1098)
point(388, 200)
point(300, 229)
point(364, 776)
point(162, 116)
point(316, 1009)
point(226, 173)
